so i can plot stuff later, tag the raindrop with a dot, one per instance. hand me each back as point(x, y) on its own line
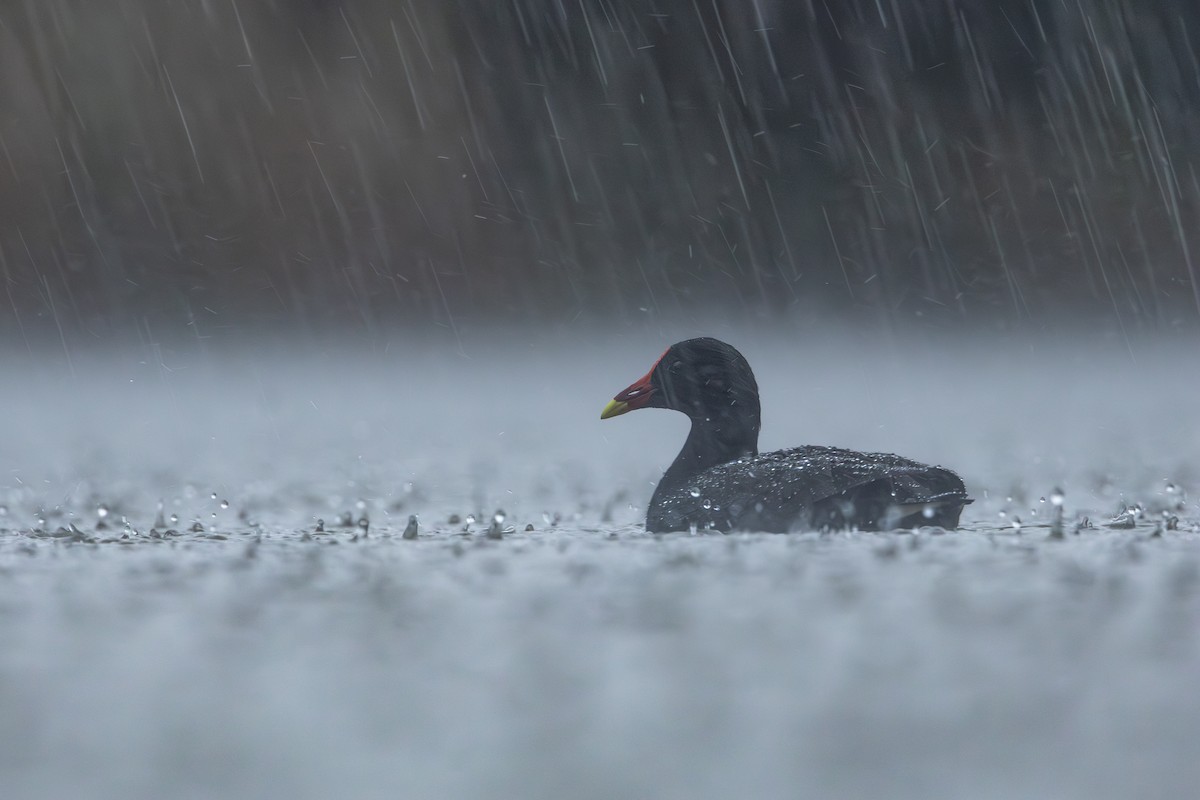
point(213, 496)
point(1056, 497)
point(495, 531)
point(102, 511)
point(3, 511)
point(694, 492)
point(707, 504)
point(927, 512)
point(224, 504)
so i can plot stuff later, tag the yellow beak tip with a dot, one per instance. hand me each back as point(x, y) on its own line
point(615, 408)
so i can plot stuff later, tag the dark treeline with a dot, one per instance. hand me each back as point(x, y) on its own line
point(222, 162)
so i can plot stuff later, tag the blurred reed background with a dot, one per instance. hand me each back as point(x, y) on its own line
point(168, 164)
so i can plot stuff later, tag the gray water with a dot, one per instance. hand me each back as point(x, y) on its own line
point(259, 656)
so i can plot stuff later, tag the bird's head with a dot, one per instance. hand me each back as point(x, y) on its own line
point(706, 379)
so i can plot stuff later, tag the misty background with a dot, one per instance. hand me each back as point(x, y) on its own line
point(206, 166)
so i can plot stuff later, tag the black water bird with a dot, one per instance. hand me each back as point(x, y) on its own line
point(720, 481)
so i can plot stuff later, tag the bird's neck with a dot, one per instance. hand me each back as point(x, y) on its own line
point(713, 441)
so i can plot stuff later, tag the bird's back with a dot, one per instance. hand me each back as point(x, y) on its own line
point(810, 487)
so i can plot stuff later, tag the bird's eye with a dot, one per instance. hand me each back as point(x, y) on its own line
point(675, 367)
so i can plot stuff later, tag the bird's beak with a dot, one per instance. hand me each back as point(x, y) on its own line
point(636, 396)
point(615, 408)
